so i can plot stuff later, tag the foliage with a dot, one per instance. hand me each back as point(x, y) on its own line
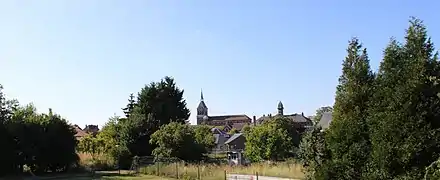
point(164, 101)
point(246, 129)
point(202, 135)
point(384, 126)
point(181, 141)
point(314, 154)
point(348, 136)
point(319, 113)
point(42, 142)
point(406, 109)
point(273, 140)
point(433, 171)
point(130, 106)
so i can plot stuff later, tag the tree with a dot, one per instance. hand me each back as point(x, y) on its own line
point(164, 101)
point(203, 137)
point(319, 113)
point(348, 136)
point(315, 155)
point(273, 140)
point(157, 104)
point(404, 122)
point(178, 140)
point(130, 106)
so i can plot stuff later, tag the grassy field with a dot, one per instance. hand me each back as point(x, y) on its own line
point(213, 172)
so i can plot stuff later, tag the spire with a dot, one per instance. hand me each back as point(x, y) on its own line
point(201, 95)
point(280, 108)
point(202, 109)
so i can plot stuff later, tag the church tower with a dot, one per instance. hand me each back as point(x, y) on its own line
point(280, 108)
point(202, 110)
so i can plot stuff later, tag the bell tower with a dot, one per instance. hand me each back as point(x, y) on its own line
point(202, 110)
point(280, 108)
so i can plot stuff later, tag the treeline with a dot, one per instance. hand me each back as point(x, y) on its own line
point(386, 125)
point(155, 124)
point(30, 140)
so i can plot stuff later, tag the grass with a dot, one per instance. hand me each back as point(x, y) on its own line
point(286, 170)
point(98, 161)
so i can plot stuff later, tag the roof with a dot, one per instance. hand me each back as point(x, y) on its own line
point(220, 138)
point(230, 118)
point(217, 130)
point(202, 105)
point(233, 137)
point(239, 126)
point(325, 120)
point(79, 131)
point(297, 118)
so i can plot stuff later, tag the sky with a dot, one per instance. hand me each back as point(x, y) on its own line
point(83, 58)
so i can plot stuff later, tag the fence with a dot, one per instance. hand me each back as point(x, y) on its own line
point(210, 169)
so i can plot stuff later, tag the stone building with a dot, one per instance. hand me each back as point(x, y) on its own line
point(301, 122)
point(233, 121)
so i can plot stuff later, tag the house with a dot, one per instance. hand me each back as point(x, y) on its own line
point(325, 120)
point(236, 142)
point(301, 122)
point(236, 121)
point(219, 141)
point(91, 129)
point(79, 133)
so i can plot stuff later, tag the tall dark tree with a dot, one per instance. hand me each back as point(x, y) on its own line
point(130, 106)
point(348, 136)
point(404, 117)
point(164, 101)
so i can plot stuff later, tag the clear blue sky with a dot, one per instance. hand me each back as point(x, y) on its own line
point(83, 58)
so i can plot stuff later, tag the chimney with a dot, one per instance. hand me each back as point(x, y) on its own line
point(255, 120)
point(302, 113)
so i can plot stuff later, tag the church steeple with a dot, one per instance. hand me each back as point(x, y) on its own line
point(201, 95)
point(202, 109)
point(280, 108)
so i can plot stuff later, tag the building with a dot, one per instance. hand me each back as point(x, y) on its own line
point(236, 142)
point(91, 129)
point(301, 122)
point(236, 121)
point(325, 120)
point(88, 130)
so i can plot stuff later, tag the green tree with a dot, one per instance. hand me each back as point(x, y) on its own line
point(130, 106)
point(405, 114)
point(319, 113)
point(273, 140)
point(348, 136)
point(158, 103)
point(164, 101)
point(177, 140)
point(204, 137)
point(315, 155)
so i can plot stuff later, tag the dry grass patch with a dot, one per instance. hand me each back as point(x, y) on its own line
point(179, 170)
point(98, 161)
